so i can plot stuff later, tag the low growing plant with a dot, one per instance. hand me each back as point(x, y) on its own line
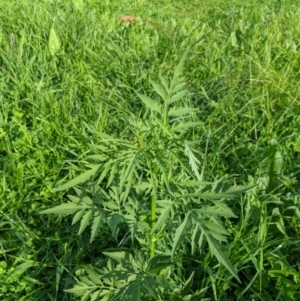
point(149, 186)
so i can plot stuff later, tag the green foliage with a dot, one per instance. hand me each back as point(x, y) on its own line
point(133, 278)
point(150, 161)
point(187, 180)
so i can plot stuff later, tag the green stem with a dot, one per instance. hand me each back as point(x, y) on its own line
point(262, 238)
point(153, 221)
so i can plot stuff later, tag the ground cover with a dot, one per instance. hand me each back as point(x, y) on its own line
point(174, 144)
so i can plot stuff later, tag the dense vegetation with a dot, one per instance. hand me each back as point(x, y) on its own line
point(149, 160)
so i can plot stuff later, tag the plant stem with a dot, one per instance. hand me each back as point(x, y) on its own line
point(153, 220)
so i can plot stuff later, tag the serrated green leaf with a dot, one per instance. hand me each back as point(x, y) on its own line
point(107, 168)
point(188, 284)
point(113, 222)
point(165, 129)
point(164, 82)
point(95, 296)
point(87, 281)
point(178, 85)
point(212, 281)
point(165, 176)
point(177, 96)
point(143, 186)
point(77, 290)
point(219, 237)
point(134, 291)
point(193, 161)
point(240, 189)
point(180, 233)
point(96, 225)
point(150, 103)
point(74, 199)
point(162, 218)
point(100, 158)
point(102, 147)
point(211, 195)
point(179, 67)
point(159, 90)
point(195, 239)
point(128, 172)
point(158, 263)
point(112, 174)
point(184, 126)
point(218, 252)
point(178, 112)
point(111, 205)
point(195, 183)
point(65, 208)
point(105, 137)
point(214, 227)
point(130, 292)
point(226, 211)
point(87, 295)
point(124, 194)
point(118, 274)
point(85, 221)
point(160, 283)
point(215, 211)
point(84, 198)
point(93, 276)
point(78, 180)
point(77, 217)
point(117, 256)
point(149, 289)
point(53, 42)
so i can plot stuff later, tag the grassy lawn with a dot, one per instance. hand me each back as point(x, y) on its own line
point(150, 159)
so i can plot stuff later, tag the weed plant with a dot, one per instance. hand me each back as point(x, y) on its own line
point(172, 150)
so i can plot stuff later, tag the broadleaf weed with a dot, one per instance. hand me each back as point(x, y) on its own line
point(150, 153)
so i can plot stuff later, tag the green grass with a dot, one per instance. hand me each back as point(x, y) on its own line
point(70, 69)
